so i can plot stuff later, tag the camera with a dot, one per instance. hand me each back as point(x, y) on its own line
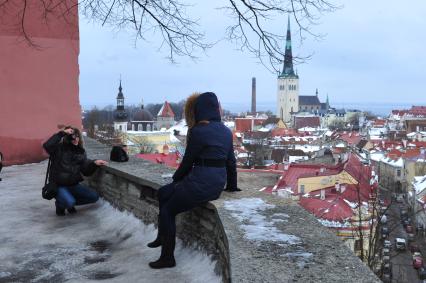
point(70, 137)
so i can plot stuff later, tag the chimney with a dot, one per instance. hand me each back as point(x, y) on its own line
point(286, 166)
point(322, 194)
point(253, 96)
point(165, 149)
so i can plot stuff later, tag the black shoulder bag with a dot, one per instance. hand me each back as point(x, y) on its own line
point(50, 189)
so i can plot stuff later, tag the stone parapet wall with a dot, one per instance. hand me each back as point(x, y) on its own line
point(254, 237)
point(137, 193)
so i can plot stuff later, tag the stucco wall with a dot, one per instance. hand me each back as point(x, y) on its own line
point(38, 80)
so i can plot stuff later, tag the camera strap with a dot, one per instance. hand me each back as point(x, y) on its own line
point(48, 170)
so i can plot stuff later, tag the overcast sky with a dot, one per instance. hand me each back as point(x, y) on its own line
point(372, 54)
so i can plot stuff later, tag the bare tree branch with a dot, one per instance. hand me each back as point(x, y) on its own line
point(181, 34)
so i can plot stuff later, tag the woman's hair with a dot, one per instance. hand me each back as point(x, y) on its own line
point(77, 132)
point(190, 110)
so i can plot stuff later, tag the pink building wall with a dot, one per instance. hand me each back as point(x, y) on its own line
point(38, 84)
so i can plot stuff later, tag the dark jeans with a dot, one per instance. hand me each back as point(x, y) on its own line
point(173, 201)
point(75, 195)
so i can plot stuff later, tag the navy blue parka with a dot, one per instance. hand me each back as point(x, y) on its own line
point(194, 185)
point(212, 140)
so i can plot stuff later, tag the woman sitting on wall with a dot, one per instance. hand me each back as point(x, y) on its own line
point(69, 161)
point(208, 164)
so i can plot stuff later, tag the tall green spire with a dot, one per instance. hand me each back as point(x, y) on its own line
point(288, 70)
point(327, 102)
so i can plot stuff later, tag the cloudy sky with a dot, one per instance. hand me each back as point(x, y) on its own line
point(372, 54)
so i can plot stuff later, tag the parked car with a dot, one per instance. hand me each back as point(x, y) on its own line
point(416, 255)
point(383, 219)
point(385, 252)
point(406, 222)
point(400, 244)
point(409, 228)
point(399, 198)
point(414, 248)
point(387, 244)
point(417, 262)
point(385, 232)
point(410, 237)
point(386, 277)
point(422, 273)
point(386, 259)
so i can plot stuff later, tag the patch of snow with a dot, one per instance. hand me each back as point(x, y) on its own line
point(38, 246)
point(302, 258)
point(256, 226)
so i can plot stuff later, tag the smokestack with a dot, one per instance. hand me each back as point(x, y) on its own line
point(253, 96)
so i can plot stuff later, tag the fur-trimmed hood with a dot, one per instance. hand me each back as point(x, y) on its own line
point(202, 107)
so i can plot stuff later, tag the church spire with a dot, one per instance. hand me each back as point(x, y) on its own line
point(120, 98)
point(327, 102)
point(288, 56)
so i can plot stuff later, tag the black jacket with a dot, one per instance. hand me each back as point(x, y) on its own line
point(69, 162)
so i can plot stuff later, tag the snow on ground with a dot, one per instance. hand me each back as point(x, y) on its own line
point(256, 226)
point(98, 243)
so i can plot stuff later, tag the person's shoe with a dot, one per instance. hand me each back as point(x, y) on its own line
point(60, 211)
point(72, 210)
point(163, 262)
point(155, 244)
point(232, 190)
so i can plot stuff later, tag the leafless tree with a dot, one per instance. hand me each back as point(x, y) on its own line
point(181, 33)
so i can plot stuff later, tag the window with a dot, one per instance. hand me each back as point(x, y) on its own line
point(302, 189)
point(398, 173)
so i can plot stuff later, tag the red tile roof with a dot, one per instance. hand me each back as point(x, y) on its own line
point(243, 125)
point(302, 122)
point(169, 160)
point(280, 132)
point(295, 171)
point(331, 208)
point(358, 170)
point(166, 111)
point(418, 110)
point(352, 138)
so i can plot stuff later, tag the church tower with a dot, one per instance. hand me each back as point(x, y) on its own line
point(288, 84)
point(120, 114)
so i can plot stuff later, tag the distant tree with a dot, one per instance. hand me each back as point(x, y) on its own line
point(154, 108)
point(370, 116)
point(91, 120)
point(179, 33)
point(336, 124)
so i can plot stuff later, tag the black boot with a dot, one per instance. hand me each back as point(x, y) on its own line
point(157, 242)
point(60, 211)
point(72, 210)
point(167, 258)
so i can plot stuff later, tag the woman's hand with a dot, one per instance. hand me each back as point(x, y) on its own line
point(100, 162)
point(68, 131)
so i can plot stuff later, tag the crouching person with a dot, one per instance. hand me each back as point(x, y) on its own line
point(68, 163)
point(208, 164)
